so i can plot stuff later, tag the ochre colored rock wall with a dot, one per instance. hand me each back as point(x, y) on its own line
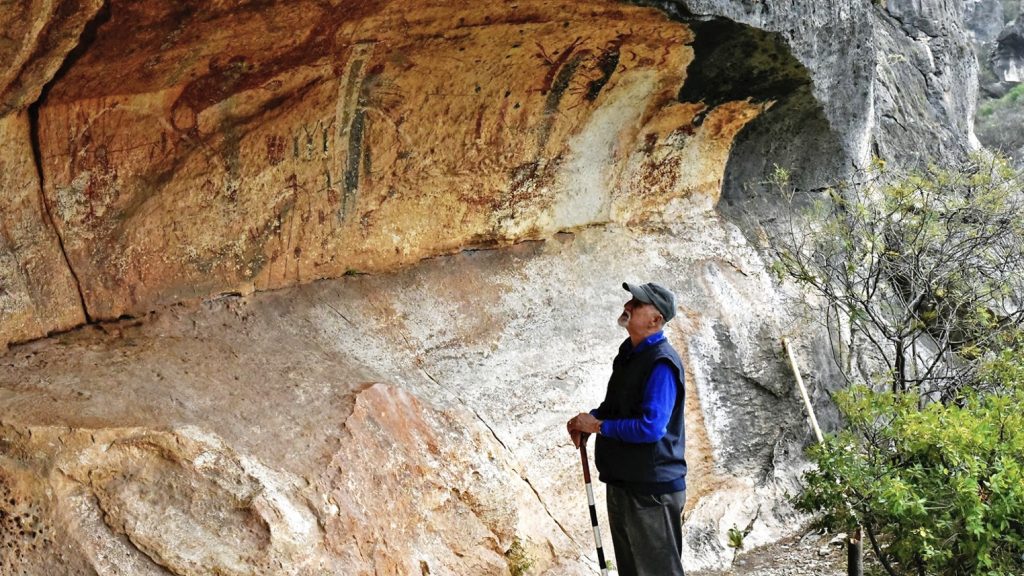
point(37, 291)
point(193, 149)
point(37, 37)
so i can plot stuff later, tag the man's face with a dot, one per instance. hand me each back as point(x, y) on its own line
point(637, 317)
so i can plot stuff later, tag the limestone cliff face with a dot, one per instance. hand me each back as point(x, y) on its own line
point(164, 161)
point(893, 79)
point(1008, 57)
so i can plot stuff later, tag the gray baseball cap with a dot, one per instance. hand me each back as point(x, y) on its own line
point(656, 295)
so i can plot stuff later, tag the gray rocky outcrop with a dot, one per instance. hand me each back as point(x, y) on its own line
point(894, 79)
point(984, 20)
point(1007, 59)
point(1002, 60)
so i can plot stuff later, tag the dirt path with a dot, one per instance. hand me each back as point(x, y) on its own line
point(812, 554)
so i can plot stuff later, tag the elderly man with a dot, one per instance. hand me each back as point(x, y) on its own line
point(640, 439)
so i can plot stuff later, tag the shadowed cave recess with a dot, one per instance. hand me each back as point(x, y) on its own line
point(311, 287)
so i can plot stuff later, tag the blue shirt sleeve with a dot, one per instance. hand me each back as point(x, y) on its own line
point(658, 403)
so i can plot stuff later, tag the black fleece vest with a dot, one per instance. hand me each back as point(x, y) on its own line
point(660, 461)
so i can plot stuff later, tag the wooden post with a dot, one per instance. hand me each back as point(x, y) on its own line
point(854, 548)
point(803, 391)
point(854, 554)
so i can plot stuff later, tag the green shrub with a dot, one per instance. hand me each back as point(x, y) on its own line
point(919, 278)
point(939, 488)
point(519, 561)
point(1015, 93)
point(736, 538)
point(998, 123)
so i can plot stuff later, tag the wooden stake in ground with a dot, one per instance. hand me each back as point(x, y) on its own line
point(803, 391)
point(854, 549)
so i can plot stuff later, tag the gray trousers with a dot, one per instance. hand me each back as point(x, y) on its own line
point(647, 532)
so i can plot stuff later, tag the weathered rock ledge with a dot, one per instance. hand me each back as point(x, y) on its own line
point(198, 150)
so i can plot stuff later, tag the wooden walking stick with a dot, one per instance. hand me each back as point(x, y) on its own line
point(593, 506)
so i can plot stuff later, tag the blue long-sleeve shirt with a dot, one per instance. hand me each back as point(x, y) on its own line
point(658, 402)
